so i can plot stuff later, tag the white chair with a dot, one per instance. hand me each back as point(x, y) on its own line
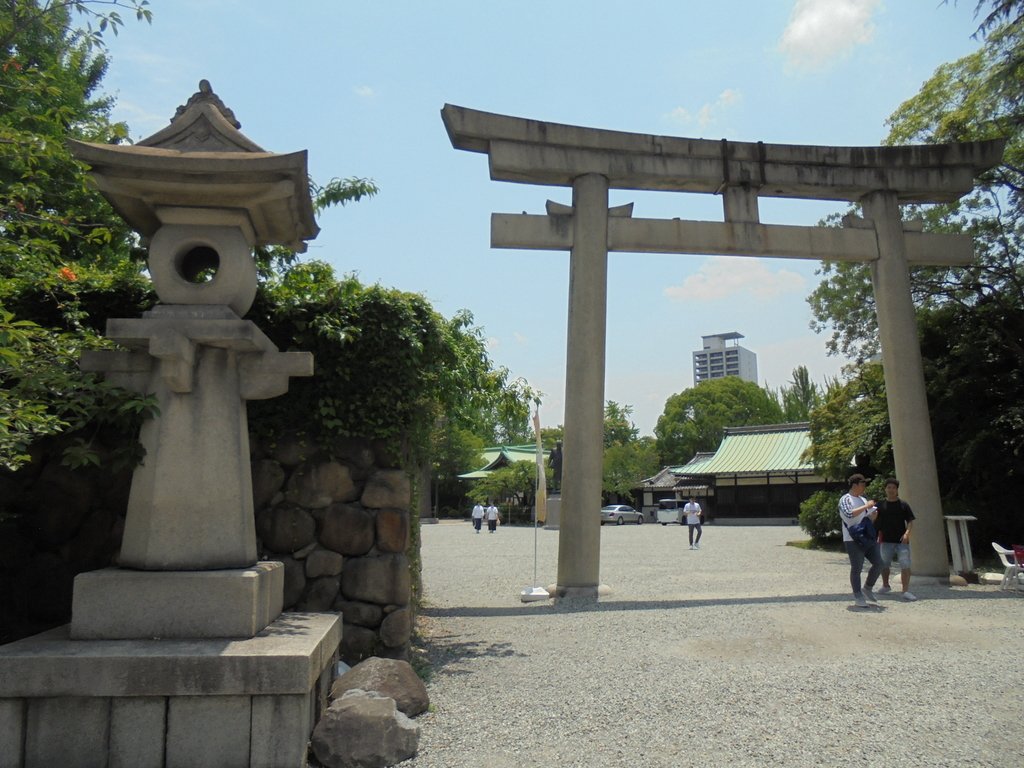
point(1010, 564)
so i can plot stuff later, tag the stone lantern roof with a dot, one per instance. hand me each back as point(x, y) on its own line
point(202, 167)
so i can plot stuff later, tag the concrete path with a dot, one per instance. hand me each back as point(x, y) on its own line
point(746, 652)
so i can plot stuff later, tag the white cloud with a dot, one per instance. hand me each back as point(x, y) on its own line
point(520, 338)
point(680, 115)
point(822, 31)
point(723, 277)
point(364, 92)
point(492, 343)
point(707, 114)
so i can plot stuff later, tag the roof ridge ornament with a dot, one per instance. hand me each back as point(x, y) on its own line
point(202, 124)
point(206, 95)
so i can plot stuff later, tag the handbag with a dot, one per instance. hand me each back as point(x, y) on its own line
point(863, 533)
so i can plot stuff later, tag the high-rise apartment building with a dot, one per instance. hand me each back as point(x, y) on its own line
point(719, 358)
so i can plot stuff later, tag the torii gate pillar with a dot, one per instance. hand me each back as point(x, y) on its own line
point(912, 446)
point(579, 539)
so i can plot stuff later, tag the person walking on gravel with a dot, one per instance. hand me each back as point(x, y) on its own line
point(895, 521)
point(694, 514)
point(853, 508)
point(492, 518)
point(478, 516)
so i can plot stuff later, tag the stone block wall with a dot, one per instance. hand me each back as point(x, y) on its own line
point(341, 524)
point(339, 521)
point(55, 522)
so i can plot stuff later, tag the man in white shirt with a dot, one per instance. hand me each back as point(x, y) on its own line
point(694, 515)
point(854, 507)
point(478, 516)
point(492, 518)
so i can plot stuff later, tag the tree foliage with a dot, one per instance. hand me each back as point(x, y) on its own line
point(799, 396)
point(626, 464)
point(852, 419)
point(387, 364)
point(516, 483)
point(618, 429)
point(695, 419)
point(49, 79)
point(819, 515)
point(66, 259)
point(100, 16)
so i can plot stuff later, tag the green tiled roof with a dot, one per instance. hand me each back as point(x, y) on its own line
point(497, 456)
point(756, 451)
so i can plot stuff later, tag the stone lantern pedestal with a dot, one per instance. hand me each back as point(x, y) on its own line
point(181, 656)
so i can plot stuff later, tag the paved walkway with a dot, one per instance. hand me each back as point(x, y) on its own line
point(745, 653)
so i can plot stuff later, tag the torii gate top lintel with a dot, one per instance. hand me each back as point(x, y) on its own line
point(537, 152)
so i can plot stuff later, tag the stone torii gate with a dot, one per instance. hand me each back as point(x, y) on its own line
point(592, 161)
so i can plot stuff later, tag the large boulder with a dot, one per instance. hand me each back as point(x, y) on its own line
point(396, 629)
point(357, 643)
point(354, 451)
point(286, 528)
point(388, 677)
point(323, 562)
point(319, 484)
point(363, 614)
point(267, 480)
point(392, 530)
point(294, 579)
point(387, 488)
point(364, 730)
point(347, 529)
point(383, 580)
point(320, 594)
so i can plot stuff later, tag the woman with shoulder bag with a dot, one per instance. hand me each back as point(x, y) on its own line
point(860, 539)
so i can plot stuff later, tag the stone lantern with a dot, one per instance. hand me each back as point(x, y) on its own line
point(180, 656)
point(204, 195)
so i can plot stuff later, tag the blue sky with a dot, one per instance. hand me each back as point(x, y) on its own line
point(361, 86)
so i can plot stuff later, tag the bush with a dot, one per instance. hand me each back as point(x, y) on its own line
point(819, 515)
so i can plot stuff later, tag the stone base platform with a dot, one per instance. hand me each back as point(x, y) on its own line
point(581, 595)
point(118, 603)
point(554, 513)
point(167, 703)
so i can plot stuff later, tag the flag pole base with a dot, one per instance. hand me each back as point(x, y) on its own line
point(534, 594)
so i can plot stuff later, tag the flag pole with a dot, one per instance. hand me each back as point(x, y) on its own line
point(535, 593)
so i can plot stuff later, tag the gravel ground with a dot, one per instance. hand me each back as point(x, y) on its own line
point(744, 653)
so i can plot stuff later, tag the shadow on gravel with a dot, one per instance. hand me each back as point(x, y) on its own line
point(547, 609)
point(445, 652)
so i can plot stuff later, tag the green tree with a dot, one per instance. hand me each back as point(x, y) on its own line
point(50, 75)
point(626, 464)
point(388, 365)
point(63, 252)
point(454, 450)
point(516, 483)
point(695, 419)
point(799, 397)
point(618, 429)
point(852, 419)
point(551, 435)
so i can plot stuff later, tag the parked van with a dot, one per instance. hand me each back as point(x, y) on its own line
point(670, 511)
